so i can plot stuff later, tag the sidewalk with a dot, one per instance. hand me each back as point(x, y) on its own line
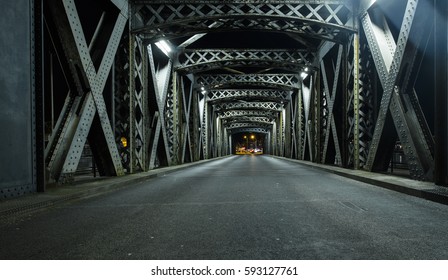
point(84, 189)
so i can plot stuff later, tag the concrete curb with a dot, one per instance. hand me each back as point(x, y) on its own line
point(425, 190)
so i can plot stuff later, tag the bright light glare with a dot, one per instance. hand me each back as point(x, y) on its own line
point(303, 75)
point(163, 45)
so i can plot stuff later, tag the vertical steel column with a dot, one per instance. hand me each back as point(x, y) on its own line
point(218, 137)
point(288, 131)
point(356, 107)
point(345, 100)
point(138, 103)
point(441, 90)
point(131, 144)
point(300, 125)
point(274, 139)
point(205, 128)
point(317, 119)
point(196, 126)
point(176, 133)
point(281, 131)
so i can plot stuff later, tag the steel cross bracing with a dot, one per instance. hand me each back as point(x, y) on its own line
point(233, 94)
point(316, 19)
point(64, 152)
point(248, 119)
point(271, 106)
point(249, 113)
point(248, 130)
point(395, 65)
point(138, 107)
point(200, 60)
point(161, 81)
point(281, 81)
point(248, 125)
point(330, 123)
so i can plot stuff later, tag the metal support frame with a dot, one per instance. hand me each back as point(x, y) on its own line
point(161, 80)
point(248, 94)
point(395, 64)
point(170, 19)
point(269, 106)
point(279, 81)
point(138, 104)
point(186, 126)
point(331, 124)
point(201, 60)
point(64, 154)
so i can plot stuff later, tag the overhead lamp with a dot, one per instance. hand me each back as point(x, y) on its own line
point(304, 75)
point(164, 46)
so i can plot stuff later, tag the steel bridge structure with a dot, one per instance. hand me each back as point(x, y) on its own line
point(151, 83)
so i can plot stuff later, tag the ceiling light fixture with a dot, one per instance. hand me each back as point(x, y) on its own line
point(164, 46)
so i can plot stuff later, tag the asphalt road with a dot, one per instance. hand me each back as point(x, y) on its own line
point(240, 207)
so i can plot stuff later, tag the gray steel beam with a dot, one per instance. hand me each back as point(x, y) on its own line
point(258, 94)
point(401, 58)
point(331, 124)
point(269, 106)
point(248, 130)
point(76, 47)
point(200, 60)
point(138, 105)
point(249, 113)
point(161, 80)
point(315, 19)
point(280, 81)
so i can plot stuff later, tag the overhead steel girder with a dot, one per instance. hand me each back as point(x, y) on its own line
point(194, 61)
point(248, 113)
point(395, 65)
point(233, 94)
point(271, 106)
point(249, 130)
point(168, 19)
point(249, 125)
point(264, 120)
point(281, 81)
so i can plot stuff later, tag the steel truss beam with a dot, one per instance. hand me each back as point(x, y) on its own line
point(281, 81)
point(395, 64)
point(248, 119)
point(259, 94)
point(200, 60)
point(248, 113)
point(248, 130)
point(65, 156)
point(248, 125)
point(316, 19)
point(270, 106)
